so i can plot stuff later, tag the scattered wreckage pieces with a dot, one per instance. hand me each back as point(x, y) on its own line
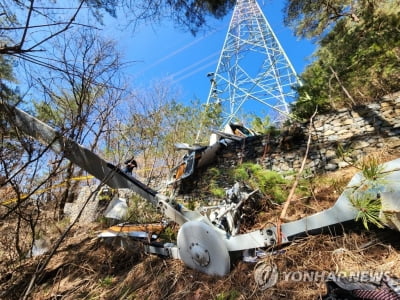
point(208, 234)
point(200, 244)
point(201, 156)
point(137, 231)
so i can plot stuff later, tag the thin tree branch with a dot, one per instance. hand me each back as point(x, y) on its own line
point(42, 265)
point(46, 25)
point(342, 86)
point(28, 19)
point(292, 190)
point(71, 21)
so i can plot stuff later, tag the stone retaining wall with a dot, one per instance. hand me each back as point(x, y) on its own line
point(354, 133)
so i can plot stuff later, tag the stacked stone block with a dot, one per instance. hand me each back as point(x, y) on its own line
point(337, 138)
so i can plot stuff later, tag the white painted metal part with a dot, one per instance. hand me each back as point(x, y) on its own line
point(117, 209)
point(201, 245)
point(203, 249)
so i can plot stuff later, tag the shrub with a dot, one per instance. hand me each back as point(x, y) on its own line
point(368, 209)
point(267, 181)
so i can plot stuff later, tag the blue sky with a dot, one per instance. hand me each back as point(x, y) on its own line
point(164, 51)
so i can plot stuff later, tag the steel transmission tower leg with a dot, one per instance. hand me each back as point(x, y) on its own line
point(254, 74)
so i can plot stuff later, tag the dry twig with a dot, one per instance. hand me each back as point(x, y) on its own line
point(292, 190)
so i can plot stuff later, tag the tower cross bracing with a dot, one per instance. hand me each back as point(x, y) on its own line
point(254, 74)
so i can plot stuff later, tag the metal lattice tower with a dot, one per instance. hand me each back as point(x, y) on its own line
point(254, 74)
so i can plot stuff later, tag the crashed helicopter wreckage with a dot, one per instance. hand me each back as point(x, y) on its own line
point(204, 243)
point(201, 156)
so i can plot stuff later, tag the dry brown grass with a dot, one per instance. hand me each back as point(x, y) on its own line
point(85, 268)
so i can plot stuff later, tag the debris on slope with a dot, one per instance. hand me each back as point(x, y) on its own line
point(85, 268)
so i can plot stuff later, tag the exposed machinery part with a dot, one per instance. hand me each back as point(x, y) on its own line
point(227, 215)
point(201, 248)
point(253, 73)
point(203, 244)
